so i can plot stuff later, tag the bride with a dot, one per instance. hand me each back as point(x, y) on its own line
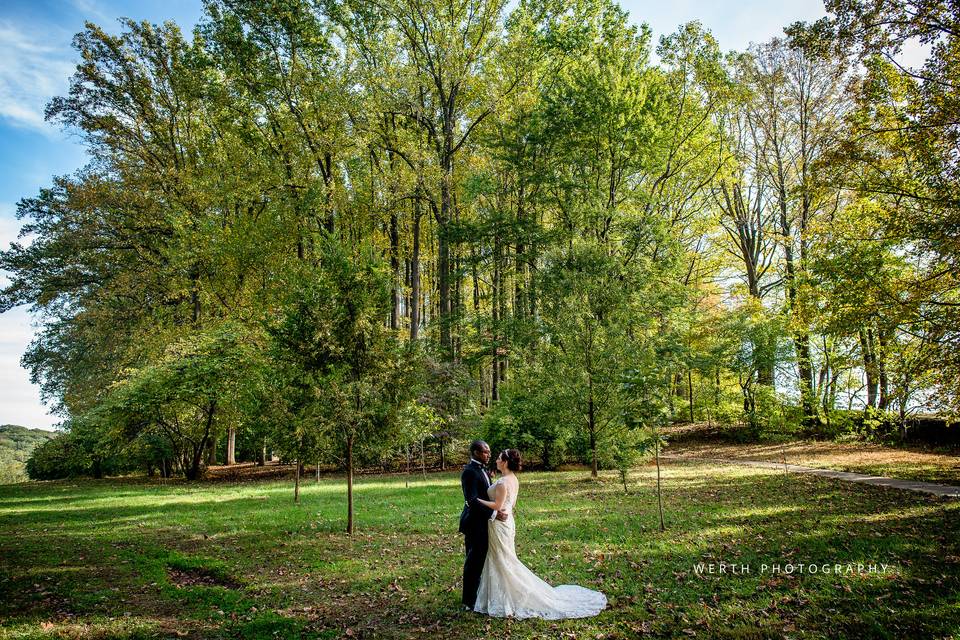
point(507, 586)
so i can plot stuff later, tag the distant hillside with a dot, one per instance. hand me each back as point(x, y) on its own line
point(16, 444)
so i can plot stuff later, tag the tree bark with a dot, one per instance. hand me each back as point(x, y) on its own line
point(415, 275)
point(350, 484)
point(394, 271)
point(232, 445)
point(296, 484)
point(592, 426)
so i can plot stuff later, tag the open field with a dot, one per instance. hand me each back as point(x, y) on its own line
point(132, 559)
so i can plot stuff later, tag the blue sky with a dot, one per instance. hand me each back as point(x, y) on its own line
point(35, 37)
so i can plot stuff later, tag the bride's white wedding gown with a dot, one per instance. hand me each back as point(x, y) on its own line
point(509, 588)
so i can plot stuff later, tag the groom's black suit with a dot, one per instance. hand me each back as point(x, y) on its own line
point(473, 526)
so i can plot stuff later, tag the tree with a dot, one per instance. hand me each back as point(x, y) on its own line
point(901, 149)
point(798, 109)
point(345, 369)
point(188, 396)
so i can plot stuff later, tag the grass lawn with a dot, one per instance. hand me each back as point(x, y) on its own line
point(131, 559)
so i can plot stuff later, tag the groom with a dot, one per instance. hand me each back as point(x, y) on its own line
point(473, 520)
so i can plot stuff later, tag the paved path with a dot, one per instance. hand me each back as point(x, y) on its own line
point(945, 490)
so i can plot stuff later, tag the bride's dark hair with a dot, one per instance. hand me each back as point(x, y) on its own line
point(512, 457)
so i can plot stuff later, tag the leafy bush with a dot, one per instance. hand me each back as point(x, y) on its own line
point(65, 456)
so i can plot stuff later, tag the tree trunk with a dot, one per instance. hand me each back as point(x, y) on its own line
point(690, 392)
point(192, 472)
point(296, 484)
point(211, 452)
point(443, 275)
point(415, 276)
point(232, 445)
point(262, 455)
point(592, 425)
point(869, 365)
point(350, 484)
point(423, 459)
point(805, 366)
point(656, 453)
point(884, 400)
point(394, 271)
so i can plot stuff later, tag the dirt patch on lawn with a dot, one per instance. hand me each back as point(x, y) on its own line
point(188, 578)
point(859, 457)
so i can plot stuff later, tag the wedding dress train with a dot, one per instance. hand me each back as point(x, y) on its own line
point(509, 588)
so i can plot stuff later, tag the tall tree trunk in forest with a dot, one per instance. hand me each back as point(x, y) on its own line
point(690, 391)
point(457, 312)
point(211, 451)
point(443, 259)
point(868, 352)
point(502, 340)
point(592, 426)
point(746, 221)
point(520, 267)
point(350, 438)
point(495, 294)
point(884, 400)
point(656, 454)
point(394, 271)
point(195, 295)
point(232, 445)
point(415, 275)
point(330, 222)
point(805, 370)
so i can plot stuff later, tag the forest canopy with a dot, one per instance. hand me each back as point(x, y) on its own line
point(338, 228)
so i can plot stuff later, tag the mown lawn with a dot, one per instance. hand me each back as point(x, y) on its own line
point(128, 559)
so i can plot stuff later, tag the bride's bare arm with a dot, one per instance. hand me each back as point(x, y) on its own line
point(500, 494)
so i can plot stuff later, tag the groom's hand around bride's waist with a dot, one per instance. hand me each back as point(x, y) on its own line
point(502, 515)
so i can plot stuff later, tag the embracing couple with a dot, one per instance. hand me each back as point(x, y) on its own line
point(495, 582)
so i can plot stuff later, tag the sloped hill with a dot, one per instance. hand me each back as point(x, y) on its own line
point(16, 445)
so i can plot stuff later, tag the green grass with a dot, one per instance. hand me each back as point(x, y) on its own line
point(128, 559)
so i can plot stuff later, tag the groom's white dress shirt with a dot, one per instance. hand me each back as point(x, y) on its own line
point(483, 470)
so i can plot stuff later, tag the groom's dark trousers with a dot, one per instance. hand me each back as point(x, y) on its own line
point(473, 526)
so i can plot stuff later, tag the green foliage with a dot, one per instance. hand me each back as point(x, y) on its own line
point(77, 452)
point(187, 396)
point(16, 445)
point(310, 218)
point(343, 371)
point(534, 417)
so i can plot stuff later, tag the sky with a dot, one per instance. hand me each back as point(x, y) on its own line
point(37, 61)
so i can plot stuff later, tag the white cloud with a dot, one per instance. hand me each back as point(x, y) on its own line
point(19, 399)
point(90, 8)
point(32, 73)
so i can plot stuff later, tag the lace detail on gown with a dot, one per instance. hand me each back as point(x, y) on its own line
point(509, 588)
